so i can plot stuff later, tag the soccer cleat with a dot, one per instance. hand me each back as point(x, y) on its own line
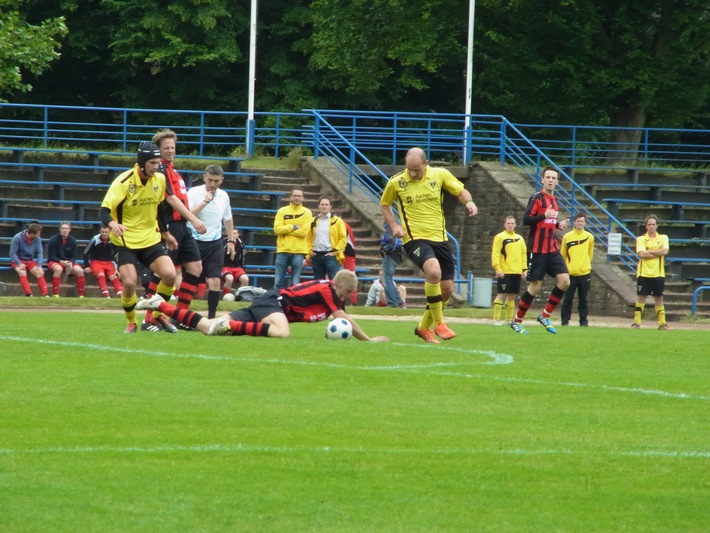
point(29, 295)
point(547, 323)
point(55, 296)
point(131, 328)
point(165, 324)
point(119, 294)
point(220, 326)
point(180, 325)
point(149, 326)
point(634, 325)
point(427, 335)
point(518, 328)
point(151, 303)
point(664, 327)
point(443, 332)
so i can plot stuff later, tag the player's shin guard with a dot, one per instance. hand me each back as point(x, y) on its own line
point(638, 312)
point(426, 321)
point(253, 329)
point(186, 292)
point(212, 303)
point(80, 285)
point(524, 304)
point(25, 284)
point(509, 309)
point(434, 301)
point(184, 316)
point(129, 307)
point(553, 301)
point(661, 314)
point(103, 287)
point(42, 284)
point(497, 310)
point(165, 292)
point(56, 282)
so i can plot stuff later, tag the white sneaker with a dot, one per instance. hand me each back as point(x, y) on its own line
point(497, 323)
point(152, 303)
point(220, 326)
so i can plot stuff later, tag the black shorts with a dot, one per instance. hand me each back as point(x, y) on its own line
point(187, 251)
point(420, 251)
point(509, 284)
point(650, 286)
point(212, 253)
point(261, 306)
point(541, 264)
point(126, 256)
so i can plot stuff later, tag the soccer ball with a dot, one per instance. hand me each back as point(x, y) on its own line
point(229, 297)
point(339, 328)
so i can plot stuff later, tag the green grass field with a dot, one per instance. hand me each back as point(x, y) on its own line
point(591, 430)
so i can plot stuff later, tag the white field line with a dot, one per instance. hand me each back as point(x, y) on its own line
point(246, 448)
point(428, 368)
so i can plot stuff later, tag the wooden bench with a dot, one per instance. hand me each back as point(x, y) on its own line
point(93, 156)
point(677, 206)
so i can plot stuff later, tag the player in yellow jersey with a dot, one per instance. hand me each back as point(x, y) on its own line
point(419, 192)
point(652, 248)
point(578, 251)
point(509, 257)
point(130, 211)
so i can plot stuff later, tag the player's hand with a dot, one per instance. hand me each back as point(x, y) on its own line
point(550, 213)
point(87, 270)
point(118, 229)
point(170, 241)
point(564, 223)
point(199, 226)
point(381, 338)
point(397, 230)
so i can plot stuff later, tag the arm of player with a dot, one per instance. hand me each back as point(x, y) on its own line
point(358, 333)
point(176, 204)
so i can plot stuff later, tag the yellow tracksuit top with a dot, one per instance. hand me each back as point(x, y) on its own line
point(338, 237)
point(289, 239)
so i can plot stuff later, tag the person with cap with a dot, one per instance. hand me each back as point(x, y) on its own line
point(130, 211)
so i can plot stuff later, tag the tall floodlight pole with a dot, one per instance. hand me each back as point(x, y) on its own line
point(469, 83)
point(251, 127)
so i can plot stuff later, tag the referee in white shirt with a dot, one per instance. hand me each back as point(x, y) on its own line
point(211, 205)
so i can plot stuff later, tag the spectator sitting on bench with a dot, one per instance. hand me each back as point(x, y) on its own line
point(61, 258)
point(376, 295)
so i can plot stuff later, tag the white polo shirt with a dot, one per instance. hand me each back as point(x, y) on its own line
point(213, 214)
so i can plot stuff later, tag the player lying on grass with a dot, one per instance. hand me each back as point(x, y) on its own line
point(269, 314)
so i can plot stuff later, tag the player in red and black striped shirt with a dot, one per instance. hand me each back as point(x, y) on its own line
point(544, 256)
point(269, 314)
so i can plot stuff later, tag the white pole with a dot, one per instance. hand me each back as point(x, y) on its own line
point(469, 76)
point(252, 80)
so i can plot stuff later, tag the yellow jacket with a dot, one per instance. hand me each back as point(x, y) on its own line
point(338, 237)
point(289, 239)
point(578, 251)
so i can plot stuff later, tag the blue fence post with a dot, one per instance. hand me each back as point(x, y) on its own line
point(502, 142)
point(469, 288)
point(316, 135)
point(250, 137)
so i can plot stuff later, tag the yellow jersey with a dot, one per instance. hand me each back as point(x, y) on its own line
point(134, 204)
point(652, 268)
point(578, 251)
point(509, 254)
point(420, 203)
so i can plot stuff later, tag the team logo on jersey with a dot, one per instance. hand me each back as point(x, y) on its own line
point(432, 185)
point(155, 188)
point(402, 183)
point(132, 188)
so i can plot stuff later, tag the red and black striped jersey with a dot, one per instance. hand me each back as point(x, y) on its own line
point(174, 185)
point(542, 238)
point(310, 301)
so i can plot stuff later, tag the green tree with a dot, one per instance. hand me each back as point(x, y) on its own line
point(25, 47)
point(607, 62)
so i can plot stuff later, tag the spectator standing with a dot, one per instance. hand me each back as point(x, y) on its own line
point(544, 256)
point(130, 211)
point(212, 206)
point(98, 259)
point(26, 255)
point(509, 259)
point(234, 267)
point(292, 226)
point(270, 314)
point(652, 248)
point(186, 257)
point(418, 190)
point(578, 252)
point(391, 252)
point(326, 241)
point(62, 257)
point(349, 263)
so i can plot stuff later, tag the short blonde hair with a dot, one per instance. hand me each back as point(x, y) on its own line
point(164, 134)
point(346, 279)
